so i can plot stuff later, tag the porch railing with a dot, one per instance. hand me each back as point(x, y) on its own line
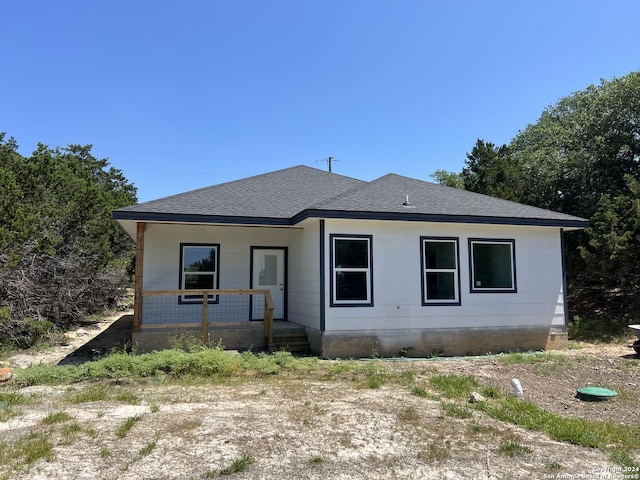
point(204, 304)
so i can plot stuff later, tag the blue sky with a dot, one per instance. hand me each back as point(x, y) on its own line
point(181, 95)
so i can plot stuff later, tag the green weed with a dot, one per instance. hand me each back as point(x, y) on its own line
point(92, 393)
point(148, 448)
point(56, 417)
point(8, 402)
point(238, 465)
point(456, 411)
point(418, 390)
point(128, 397)
point(489, 391)
point(512, 448)
point(124, 428)
point(621, 456)
point(12, 398)
point(26, 450)
point(454, 386)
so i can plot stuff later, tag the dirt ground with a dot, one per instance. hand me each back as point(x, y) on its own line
point(300, 427)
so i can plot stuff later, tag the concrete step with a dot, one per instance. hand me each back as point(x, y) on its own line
point(297, 347)
point(290, 341)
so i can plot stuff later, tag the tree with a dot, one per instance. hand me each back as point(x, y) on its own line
point(61, 253)
point(493, 171)
point(450, 179)
point(582, 147)
point(612, 252)
point(581, 157)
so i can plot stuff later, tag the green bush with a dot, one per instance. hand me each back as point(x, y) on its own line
point(600, 329)
point(21, 333)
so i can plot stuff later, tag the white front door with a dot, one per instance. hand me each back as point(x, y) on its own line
point(268, 273)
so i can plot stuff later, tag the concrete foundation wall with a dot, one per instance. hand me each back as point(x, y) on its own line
point(429, 342)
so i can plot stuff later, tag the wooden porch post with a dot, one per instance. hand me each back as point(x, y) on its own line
point(205, 318)
point(137, 305)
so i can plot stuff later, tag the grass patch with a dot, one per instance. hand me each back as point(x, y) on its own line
point(418, 390)
point(240, 464)
point(456, 411)
point(621, 456)
point(10, 399)
point(25, 451)
point(143, 452)
point(317, 460)
point(489, 391)
point(512, 448)
point(92, 393)
point(127, 397)
point(454, 386)
point(210, 363)
point(70, 432)
point(128, 424)
point(8, 403)
point(148, 448)
point(602, 435)
point(56, 417)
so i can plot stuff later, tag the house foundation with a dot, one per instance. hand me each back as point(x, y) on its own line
point(425, 343)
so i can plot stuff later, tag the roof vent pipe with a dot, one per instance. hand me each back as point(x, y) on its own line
point(407, 204)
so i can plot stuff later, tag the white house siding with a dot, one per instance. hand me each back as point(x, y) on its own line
point(162, 265)
point(304, 275)
point(538, 302)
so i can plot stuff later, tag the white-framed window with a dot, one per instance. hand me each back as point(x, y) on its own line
point(199, 267)
point(492, 265)
point(351, 275)
point(440, 272)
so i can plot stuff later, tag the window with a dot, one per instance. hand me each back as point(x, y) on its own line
point(351, 278)
point(493, 266)
point(199, 266)
point(440, 275)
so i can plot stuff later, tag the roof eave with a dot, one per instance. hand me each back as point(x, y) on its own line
point(440, 218)
point(568, 224)
point(193, 218)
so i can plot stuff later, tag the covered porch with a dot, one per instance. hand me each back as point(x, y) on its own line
point(231, 336)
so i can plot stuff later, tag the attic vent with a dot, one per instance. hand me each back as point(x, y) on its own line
point(407, 204)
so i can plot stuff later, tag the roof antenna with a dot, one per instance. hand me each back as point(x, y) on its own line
point(328, 161)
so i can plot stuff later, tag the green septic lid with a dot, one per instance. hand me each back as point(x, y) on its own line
point(596, 393)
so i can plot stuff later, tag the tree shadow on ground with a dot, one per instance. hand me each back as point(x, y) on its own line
point(116, 337)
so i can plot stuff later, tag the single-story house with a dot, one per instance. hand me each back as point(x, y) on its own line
point(387, 267)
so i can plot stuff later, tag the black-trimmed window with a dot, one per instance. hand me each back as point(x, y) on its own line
point(492, 265)
point(351, 270)
point(199, 267)
point(440, 272)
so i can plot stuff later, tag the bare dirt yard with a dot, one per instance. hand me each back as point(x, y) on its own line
point(301, 426)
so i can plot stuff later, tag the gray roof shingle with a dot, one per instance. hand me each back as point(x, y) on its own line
point(289, 195)
point(279, 194)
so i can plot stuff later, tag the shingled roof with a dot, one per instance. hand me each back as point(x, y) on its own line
point(288, 196)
